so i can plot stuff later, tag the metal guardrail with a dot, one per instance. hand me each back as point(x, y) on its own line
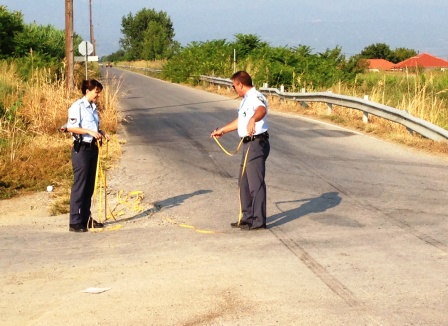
point(217, 80)
point(412, 123)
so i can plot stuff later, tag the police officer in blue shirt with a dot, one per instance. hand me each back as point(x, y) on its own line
point(253, 129)
point(84, 123)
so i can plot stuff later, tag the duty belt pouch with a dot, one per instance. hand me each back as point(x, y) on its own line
point(76, 146)
point(77, 143)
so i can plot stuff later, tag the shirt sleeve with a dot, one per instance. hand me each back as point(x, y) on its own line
point(74, 115)
point(260, 101)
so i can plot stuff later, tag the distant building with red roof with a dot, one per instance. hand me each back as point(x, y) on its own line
point(380, 65)
point(424, 60)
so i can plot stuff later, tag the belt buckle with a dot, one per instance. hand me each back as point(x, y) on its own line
point(88, 144)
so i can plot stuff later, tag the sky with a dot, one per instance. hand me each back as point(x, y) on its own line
point(421, 25)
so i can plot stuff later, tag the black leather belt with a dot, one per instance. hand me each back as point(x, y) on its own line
point(88, 145)
point(263, 136)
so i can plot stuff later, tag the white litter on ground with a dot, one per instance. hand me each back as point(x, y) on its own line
point(95, 290)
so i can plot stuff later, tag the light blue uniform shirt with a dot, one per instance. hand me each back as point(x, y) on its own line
point(84, 115)
point(249, 104)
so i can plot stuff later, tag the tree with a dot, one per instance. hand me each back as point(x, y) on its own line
point(11, 23)
point(383, 51)
point(157, 43)
point(213, 58)
point(247, 43)
point(46, 40)
point(376, 51)
point(401, 54)
point(31, 46)
point(148, 35)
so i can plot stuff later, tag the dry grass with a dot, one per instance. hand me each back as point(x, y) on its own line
point(416, 94)
point(108, 103)
point(33, 154)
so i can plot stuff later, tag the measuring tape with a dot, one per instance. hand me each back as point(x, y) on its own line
point(240, 215)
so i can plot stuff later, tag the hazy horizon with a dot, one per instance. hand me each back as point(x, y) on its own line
point(412, 24)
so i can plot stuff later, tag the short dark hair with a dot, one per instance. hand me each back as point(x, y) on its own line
point(243, 77)
point(90, 84)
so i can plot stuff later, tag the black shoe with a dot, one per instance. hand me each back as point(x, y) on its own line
point(77, 228)
point(248, 227)
point(96, 225)
point(238, 224)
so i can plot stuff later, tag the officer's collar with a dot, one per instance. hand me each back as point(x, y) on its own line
point(87, 103)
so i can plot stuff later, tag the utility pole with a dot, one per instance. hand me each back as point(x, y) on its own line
point(69, 60)
point(92, 37)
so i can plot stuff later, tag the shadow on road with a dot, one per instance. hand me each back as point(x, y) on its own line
point(179, 200)
point(166, 203)
point(311, 205)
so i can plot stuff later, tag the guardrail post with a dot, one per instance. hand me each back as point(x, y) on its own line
point(329, 105)
point(365, 115)
point(304, 105)
point(265, 85)
point(282, 90)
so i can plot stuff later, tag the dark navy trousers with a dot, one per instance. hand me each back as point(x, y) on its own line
point(84, 171)
point(252, 185)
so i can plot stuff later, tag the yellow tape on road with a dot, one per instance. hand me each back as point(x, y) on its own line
point(197, 230)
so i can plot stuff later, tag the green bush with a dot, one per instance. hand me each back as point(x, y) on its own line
point(294, 68)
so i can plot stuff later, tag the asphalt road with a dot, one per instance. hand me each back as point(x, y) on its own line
point(357, 230)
